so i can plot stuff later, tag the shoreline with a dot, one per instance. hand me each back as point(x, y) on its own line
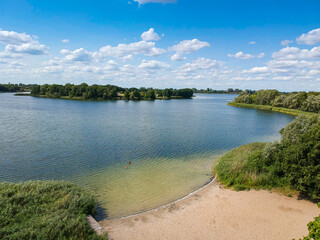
point(214, 212)
point(293, 112)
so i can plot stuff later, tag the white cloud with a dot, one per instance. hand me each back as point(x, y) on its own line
point(124, 50)
point(252, 42)
point(282, 78)
point(80, 55)
point(297, 53)
point(257, 70)
point(33, 48)
point(286, 42)
point(201, 69)
point(244, 56)
point(200, 64)
point(111, 65)
point(150, 35)
point(153, 65)
point(20, 43)
point(310, 38)
point(186, 47)
point(155, 1)
point(65, 40)
point(11, 37)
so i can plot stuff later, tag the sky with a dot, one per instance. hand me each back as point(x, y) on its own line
point(244, 44)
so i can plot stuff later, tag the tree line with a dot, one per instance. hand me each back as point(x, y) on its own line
point(15, 87)
point(309, 102)
point(108, 92)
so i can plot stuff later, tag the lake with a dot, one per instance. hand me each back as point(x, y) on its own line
point(171, 144)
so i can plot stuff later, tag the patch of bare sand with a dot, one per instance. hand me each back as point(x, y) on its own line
point(218, 213)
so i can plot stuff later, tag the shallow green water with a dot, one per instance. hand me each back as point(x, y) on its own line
point(171, 144)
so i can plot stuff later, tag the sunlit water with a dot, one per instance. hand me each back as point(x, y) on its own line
point(171, 144)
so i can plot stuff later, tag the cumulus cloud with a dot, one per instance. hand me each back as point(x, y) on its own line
point(155, 1)
point(79, 55)
point(65, 40)
point(153, 65)
point(150, 35)
point(201, 69)
point(20, 43)
point(125, 50)
point(257, 70)
point(297, 53)
point(310, 38)
point(286, 42)
point(244, 56)
point(186, 47)
point(33, 48)
point(111, 65)
point(11, 37)
point(252, 42)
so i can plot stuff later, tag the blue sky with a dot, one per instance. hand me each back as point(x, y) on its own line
point(162, 43)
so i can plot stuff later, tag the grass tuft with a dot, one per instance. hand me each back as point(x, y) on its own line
point(45, 210)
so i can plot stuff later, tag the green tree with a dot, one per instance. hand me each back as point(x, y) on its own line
point(135, 95)
point(150, 94)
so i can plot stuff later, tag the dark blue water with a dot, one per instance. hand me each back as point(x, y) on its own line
point(77, 140)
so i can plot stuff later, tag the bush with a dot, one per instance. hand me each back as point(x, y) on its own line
point(314, 229)
point(244, 168)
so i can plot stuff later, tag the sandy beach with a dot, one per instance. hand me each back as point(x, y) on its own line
point(218, 213)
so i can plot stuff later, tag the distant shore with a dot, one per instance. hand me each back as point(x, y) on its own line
point(218, 213)
point(294, 112)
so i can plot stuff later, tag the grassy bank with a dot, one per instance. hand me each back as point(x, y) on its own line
point(271, 108)
point(243, 168)
point(45, 210)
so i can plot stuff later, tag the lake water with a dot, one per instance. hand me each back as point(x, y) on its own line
point(171, 144)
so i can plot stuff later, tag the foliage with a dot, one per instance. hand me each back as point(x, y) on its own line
point(265, 97)
point(299, 155)
point(309, 102)
point(106, 92)
point(312, 104)
point(314, 229)
point(45, 210)
point(243, 98)
point(15, 87)
point(244, 167)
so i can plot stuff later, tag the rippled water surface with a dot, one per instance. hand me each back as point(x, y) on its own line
point(171, 144)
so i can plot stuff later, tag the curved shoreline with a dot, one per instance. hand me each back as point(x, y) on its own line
point(214, 212)
point(165, 205)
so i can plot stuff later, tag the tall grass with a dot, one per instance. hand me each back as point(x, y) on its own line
point(244, 168)
point(45, 210)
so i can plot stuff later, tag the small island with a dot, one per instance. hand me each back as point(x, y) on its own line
point(107, 92)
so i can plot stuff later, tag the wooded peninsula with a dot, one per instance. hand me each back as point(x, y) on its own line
point(107, 92)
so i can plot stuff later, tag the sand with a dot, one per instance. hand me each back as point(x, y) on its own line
point(218, 213)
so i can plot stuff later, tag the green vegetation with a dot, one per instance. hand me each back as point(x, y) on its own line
point(294, 112)
point(107, 92)
point(244, 168)
point(45, 210)
point(314, 229)
point(301, 101)
point(293, 163)
point(15, 87)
